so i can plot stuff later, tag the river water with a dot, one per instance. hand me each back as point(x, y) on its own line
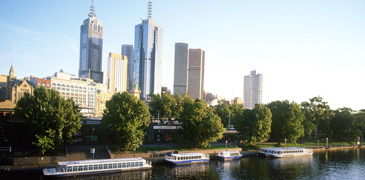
point(335, 164)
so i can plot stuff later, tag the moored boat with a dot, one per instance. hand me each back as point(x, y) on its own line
point(73, 168)
point(229, 155)
point(285, 152)
point(187, 158)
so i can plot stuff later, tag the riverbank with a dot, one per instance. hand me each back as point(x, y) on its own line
point(158, 157)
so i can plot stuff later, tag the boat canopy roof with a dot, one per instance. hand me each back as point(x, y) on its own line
point(99, 161)
point(189, 154)
point(283, 148)
point(229, 152)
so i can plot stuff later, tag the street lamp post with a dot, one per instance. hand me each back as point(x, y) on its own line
point(359, 140)
point(327, 142)
point(285, 143)
point(226, 144)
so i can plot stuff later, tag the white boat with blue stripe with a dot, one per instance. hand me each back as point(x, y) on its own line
point(229, 155)
point(84, 167)
point(187, 158)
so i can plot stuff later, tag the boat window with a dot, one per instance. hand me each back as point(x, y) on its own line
point(119, 165)
point(74, 168)
point(69, 169)
point(114, 166)
point(128, 164)
point(110, 166)
point(140, 163)
point(85, 168)
point(90, 167)
point(95, 167)
point(132, 164)
point(100, 166)
point(123, 165)
point(105, 166)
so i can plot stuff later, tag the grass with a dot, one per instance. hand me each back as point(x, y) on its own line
point(145, 149)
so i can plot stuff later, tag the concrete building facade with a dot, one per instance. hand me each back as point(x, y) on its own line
point(181, 68)
point(81, 90)
point(117, 73)
point(196, 73)
point(252, 89)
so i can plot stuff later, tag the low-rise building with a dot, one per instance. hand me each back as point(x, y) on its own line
point(81, 90)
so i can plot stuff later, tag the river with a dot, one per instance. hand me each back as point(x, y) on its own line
point(335, 164)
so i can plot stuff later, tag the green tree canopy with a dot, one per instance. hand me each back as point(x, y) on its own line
point(162, 105)
point(317, 112)
point(51, 119)
point(223, 111)
point(254, 124)
point(287, 119)
point(360, 121)
point(343, 124)
point(200, 125)
point(125, 121)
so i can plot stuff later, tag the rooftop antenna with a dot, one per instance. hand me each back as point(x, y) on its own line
point(92, 10)
point(149, 12)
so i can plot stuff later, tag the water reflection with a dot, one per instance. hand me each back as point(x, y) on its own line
point(129, 175)
point(341, 164)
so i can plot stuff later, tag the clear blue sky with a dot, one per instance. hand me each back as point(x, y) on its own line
point(302, 48)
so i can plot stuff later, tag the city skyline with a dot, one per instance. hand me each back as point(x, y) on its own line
point(304, 49)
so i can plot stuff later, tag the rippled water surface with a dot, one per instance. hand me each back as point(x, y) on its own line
point(339, 164)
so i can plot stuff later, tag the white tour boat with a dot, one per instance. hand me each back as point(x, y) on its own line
point(187, 158)
point(73, 168)
point(285, 152)
point(229, 155)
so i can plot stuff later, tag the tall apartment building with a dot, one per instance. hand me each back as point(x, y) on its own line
point(91, 48)
point(117, 73)
point(148, 56)
point(181, 68)
point(196, 73)
point(252, 89)
point(127, 50)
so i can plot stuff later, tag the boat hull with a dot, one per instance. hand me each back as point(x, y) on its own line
point(229, 158)
point(94, 172)
point(188, 161)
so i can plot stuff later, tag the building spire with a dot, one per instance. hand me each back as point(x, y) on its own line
point(149, 10)
point(11, 72)
point(92, 9)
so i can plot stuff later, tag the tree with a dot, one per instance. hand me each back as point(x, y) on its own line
point(224, 110)
point(343, 124)
point(51, 119)
point(287, 119)
point(319, 113)
point(162, 105)
point(200, 125)
point(254, 124)
point(125, 121)
point(360, 121)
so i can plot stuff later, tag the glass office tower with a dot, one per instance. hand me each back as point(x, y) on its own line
point(148, 57)
point(91, 48)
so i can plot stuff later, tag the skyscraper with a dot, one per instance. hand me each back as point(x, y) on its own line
point(127, 50)
point(148, 56)
point(91, 48)
point(252, 89)
point(181, 68)
point(117, 73)
point(196, 73)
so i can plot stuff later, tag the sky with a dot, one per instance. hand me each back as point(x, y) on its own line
point(303, 48)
